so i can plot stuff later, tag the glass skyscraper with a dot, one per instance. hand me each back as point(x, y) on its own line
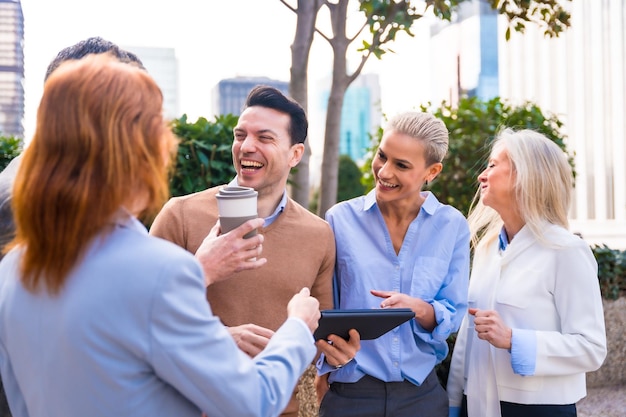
point(230, 95)
point(11, 68)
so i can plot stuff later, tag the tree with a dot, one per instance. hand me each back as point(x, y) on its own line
point(306, 14)
point(472, 126)
point(349, 183)
point(204, 156)
point(384, 19)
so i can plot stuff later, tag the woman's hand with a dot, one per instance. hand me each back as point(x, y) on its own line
point(491, 328)
point(424, 312)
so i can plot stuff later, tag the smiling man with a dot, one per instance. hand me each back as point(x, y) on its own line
point(293, 249)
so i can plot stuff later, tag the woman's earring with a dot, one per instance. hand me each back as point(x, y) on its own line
point(426, 183)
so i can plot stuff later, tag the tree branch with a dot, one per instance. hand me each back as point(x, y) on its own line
point(287, 5)
point(350, 40)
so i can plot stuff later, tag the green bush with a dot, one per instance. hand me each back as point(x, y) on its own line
point(10, 147)
point(611, 271)
point(349, 179)
point(349, 183)
point(204, 154)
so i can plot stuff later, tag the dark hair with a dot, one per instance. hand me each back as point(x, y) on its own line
point(272, 98)
point(93, 45)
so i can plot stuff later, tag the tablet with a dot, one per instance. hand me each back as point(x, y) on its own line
point(370, 323)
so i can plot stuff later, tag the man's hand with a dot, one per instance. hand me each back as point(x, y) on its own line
point(251, 338)
point(339, 352)
point(223, 255)
point(305, 307)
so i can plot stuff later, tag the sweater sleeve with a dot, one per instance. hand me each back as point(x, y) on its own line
point(323, 286)
point(169, 223)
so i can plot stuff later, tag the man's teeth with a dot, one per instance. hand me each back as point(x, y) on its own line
point(251, 164)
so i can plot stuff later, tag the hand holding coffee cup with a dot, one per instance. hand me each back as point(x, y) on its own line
point(223, 254)
point(236, 205)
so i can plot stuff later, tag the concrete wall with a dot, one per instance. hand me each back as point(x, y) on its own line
point(613, 371)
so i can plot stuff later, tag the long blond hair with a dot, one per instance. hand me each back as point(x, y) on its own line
point(100, 139)
point(543, 186)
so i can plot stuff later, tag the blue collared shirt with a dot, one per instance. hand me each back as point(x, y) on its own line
point(433, 264)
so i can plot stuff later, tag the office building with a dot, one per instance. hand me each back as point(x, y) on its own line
point(361, 114)
point(162, 65)
point(11, 68)
point(581, 78)
point(229, 95)
point(465, 58)
point(360, 117)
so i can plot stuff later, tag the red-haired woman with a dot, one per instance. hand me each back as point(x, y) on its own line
point(96, 317)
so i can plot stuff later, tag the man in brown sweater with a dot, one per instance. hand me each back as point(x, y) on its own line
point(298, 248)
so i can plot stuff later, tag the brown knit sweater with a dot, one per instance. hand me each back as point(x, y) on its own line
point(300, 252)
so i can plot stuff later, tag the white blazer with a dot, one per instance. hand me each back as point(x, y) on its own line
point(549, 292)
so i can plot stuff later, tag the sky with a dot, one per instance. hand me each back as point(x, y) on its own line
point(213, 40)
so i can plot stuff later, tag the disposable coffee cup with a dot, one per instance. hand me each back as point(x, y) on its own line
point(236, 205)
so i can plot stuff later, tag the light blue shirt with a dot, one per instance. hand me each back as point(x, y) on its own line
point(131, 334)
point(433, 264)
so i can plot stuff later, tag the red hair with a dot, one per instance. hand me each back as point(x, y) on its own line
point(100, 142)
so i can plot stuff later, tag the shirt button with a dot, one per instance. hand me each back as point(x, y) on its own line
point(397, 267)
point(395, 364)
point(395, 339)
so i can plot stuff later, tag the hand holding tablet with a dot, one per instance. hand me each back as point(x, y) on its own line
point(370, 323)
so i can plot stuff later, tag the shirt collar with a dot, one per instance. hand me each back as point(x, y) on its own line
point(279, 209)
point(430, 204)
point(503, 238)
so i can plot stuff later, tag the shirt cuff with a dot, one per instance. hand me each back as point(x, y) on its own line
point(523, 351)
point(322, 366)
point(454, 411)
point(443, 329)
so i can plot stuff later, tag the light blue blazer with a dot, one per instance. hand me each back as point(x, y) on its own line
point(131, 334)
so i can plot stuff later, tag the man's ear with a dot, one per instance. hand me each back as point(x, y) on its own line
point(296, 153)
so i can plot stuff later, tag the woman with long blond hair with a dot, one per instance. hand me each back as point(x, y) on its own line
point(96, 317)
point(535, 324)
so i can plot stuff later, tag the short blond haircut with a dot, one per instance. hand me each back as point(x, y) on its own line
point(426, 128)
